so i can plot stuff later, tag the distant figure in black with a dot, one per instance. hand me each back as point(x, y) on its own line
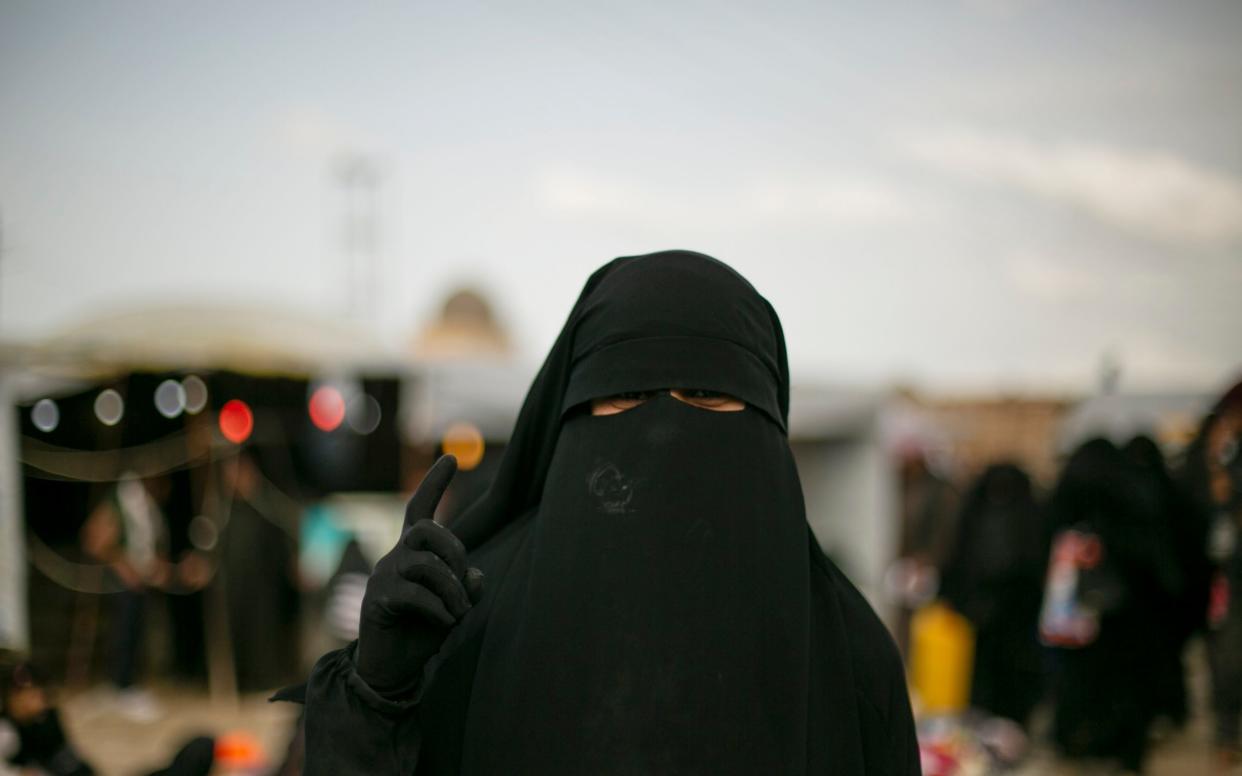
point(994, 578)
point(1102, 681)
point(1183, 611)
point(1214, 475)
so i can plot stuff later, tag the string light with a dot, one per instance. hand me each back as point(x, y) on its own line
point(236, 421)
point(45, 415)
point(364, 414)
point(195, 394)
point(203, 533)
point(327, 408)
point(170, 398)
point(109, 407)
point(465, 441)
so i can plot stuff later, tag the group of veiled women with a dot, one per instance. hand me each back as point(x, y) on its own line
point(1088, 598)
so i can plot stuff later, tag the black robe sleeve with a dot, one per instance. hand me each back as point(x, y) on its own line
point(350, 729)
point(890, 744)
point(903, 742)
point(889, 741)
point(858, 684)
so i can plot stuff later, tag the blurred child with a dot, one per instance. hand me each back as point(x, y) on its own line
point(41, 745)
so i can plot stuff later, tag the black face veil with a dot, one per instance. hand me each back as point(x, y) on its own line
point(654, 612)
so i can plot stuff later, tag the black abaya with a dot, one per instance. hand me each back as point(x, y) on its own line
point(654, 600)
point(1103, 700)
point(995, 579)
point(256, 560)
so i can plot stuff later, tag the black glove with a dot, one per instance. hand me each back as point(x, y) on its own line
point(416, 594)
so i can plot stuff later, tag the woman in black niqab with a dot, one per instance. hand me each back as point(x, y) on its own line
point(995, 579)
point(1182, 534)
point(655, 602)
point(1103, 700)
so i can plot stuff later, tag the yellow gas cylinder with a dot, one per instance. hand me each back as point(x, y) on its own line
point(942, 654)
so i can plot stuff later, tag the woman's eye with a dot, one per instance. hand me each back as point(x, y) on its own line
point(704, 398)
point(620, 402)
point(633, 396)
point(696, 397)
point(709, 400)
point(629, 399)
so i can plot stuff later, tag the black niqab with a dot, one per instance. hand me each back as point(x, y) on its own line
point(995, 578)
point(663, 627)
point(1100, 709)
point(1000, 547)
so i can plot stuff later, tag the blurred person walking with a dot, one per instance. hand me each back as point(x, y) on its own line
point(654, 601)
point(994, 577)
point(127, 531)
point(1110, 570)
point(32, 738)
point(34, 742)
point(257, 579)
point(1214, 472)
point(929, 509)
point(1179, 522)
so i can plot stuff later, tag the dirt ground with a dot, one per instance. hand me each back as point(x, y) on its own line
point(120, 747)
point(117, 746)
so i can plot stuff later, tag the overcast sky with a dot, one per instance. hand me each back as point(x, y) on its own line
point(961, 194)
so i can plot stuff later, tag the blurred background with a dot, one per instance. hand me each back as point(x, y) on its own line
point(261, 263)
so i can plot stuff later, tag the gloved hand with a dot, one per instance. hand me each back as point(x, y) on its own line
point(416, 594)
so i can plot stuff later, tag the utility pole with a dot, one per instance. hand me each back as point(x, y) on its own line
point(358, 178)
point(14, 622)
point(1109, 372)
point(1, 270)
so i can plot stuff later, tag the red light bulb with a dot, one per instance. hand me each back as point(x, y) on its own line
point(236, 421)
point(327, 408)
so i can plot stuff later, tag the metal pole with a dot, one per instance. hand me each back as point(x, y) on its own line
point(358, 178)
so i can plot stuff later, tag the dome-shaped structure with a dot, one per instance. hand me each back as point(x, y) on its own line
point(465, 328)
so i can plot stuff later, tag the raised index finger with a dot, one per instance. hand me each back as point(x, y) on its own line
point(429, 492)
